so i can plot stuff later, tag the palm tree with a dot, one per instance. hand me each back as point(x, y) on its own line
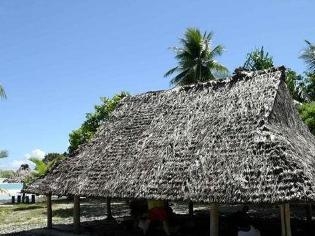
point(41, 168)
point(45, 165)
point(308, 55)
point(2, 92)
point(196, 59)
point(258, 60)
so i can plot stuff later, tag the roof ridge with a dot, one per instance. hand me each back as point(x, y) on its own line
point(239, 73)
point(266, 118)
point(268, 113)
point(282, 80)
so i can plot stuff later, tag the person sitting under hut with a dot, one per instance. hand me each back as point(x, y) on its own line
point(158, 213)
point(244, 226)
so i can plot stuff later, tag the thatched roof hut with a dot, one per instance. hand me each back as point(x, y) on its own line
point(234, 141)
point(20, 175)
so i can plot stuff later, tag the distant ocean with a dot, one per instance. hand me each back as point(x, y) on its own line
point(11, 189)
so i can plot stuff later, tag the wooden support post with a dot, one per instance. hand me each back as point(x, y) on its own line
point(109, 209)
point(309, 213)
point(285, 220)
point(309, 216)
point(283, 233)
point(76, 214)
point(191, 208)
point(214, 220)
point(49, 211)
point(23, 195)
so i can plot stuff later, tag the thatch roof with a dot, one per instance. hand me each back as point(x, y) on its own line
point(233, 141)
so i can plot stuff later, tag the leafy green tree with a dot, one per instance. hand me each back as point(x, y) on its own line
point(196, 59)
point(90, 125)
point(53, 157)
point(258, 60)
point(307, 112)
point(6, 173)
point(308, 55)
point(93, 120)
point(310, 86)
point(42, 166)
point(295, 84)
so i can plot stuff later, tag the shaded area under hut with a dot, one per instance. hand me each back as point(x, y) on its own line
point(236, 141)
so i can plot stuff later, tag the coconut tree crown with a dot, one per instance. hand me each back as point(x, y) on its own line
point(308, 55)
point(196, 59)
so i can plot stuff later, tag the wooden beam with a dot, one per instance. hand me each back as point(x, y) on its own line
point(214, 220)
point(191, 208)
point(76, 214)
point(309, 213)
point(285, 220)
point(49, 211)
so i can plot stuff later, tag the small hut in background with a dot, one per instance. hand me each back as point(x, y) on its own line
point(236, 141)
point(20, 175)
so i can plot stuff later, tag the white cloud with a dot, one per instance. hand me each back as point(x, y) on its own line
point(37, 153)
point(15, 164)
point(9, 164)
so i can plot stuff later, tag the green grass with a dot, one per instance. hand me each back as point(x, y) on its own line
point(20, 214)
point(33, 214)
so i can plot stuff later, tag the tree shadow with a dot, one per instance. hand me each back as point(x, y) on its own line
point(26, 208)
point(63, 213)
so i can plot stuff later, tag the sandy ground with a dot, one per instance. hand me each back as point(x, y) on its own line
point(22, 217)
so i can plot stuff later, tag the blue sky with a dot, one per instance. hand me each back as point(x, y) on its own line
point(58, 57)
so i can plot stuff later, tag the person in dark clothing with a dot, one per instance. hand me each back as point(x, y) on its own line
point(243, 220)
point(239, 220)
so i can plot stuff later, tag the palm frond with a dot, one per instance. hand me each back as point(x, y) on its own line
point(219, 67)
point(40, 166)
point(217, 51)
point(195, 58)
point(258, 59)
point(181, 76)
point(171, 71)
point(2, 92)
point(308, 55)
